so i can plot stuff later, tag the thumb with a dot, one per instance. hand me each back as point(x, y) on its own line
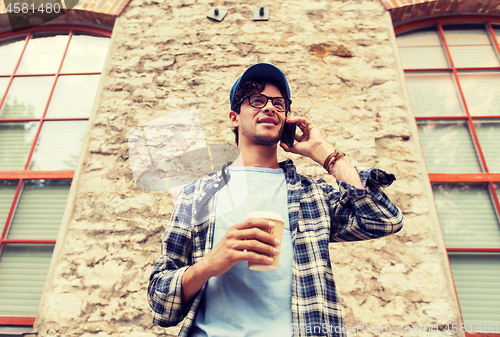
point(286, 148)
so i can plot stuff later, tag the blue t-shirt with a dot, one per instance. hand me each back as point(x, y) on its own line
point(244, 302)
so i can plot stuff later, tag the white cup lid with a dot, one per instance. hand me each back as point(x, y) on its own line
point(265, 215)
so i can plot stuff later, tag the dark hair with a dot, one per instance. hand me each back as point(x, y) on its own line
point(247, 88)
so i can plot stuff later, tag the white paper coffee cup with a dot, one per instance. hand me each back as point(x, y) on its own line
point(277, 231)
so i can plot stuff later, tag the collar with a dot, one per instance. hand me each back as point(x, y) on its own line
point(222, 177)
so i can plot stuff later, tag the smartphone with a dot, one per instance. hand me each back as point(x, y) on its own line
point(288, 136)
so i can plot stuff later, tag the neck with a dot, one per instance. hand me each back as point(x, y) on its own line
point(257, 156)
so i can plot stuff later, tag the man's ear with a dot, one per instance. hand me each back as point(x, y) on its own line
point(234, 117)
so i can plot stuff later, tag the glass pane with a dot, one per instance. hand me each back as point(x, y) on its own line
point(15, 144)
point(58, 146)
point(85, 54)
point(421, 49)
point(470, 46)
point(73, 96)
point(423, 58)
point(23, 270)
point(27, 97)
point(448, 147)
point(488, 133)
point(477, 280)
point(467, 215)
point(473, 56)
point(4, 82)
point(482, 92)
point(466, 35)
point(434, 95)
point(40, 210)
point(423, 37)
point(10, 51)
point(44, 53)
point(7, 193)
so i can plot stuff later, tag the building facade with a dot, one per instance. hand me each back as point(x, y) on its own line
point(408, 87)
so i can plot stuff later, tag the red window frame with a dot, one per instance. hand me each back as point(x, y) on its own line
point(471, 178)
point(25, 174)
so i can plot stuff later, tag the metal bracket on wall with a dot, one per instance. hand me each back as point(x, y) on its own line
point(216, 13)
point(261, 14)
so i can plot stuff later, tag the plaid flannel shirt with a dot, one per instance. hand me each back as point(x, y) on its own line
point(318, 214)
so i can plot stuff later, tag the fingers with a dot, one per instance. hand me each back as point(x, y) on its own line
point(297, 120)
point(285, 147)
point(255, 257)
point(245, 241)
point(253, 229)
point(256, 247)
point(255, 222)
point(293, 149)
point(253, 235)
point(302, 122)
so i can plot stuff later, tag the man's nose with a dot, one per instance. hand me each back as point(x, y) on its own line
point(269, 106)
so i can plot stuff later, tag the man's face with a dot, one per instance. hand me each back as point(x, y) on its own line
point(260, 126)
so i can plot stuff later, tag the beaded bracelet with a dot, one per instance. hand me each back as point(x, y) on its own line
point(332, 158)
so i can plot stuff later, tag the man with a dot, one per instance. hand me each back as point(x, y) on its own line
point(202, 275)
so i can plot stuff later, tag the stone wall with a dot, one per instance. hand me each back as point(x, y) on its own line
point(342, 64)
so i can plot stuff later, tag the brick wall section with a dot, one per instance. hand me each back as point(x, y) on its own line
point(403, 11)
point(109, 7)
point(100, 13)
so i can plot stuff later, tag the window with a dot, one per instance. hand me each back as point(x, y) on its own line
point(48, 82)
point(453, 76)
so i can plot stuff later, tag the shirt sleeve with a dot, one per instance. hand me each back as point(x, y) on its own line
point(164, 290)
point(364, 214)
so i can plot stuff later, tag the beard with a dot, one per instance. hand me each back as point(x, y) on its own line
point(259, 138)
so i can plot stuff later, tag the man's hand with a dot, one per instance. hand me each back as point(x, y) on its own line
point(246, 241)
point(310, 143)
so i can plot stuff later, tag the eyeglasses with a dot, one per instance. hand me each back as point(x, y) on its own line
point(258, 101)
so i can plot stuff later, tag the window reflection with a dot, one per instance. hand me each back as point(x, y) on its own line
point(86, 53)
point(40, 209)
point(27, 97)
point(15, 144)
point(467, 215)
point(496, 29)
point(44, 53)
point(73, 96)
point(488, 132)
point(477, 281)
point(4, 82)
point(59, 145)
point(20, 296)
point(448, 147)
point(7, 193)
point(10, 51)
point(421, 49)
point(482, 92)
point(470, 46)
point(433, 94)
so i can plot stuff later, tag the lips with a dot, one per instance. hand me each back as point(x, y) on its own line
point(267, 120)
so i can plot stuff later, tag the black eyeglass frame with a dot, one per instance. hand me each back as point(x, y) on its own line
point(288, 102)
